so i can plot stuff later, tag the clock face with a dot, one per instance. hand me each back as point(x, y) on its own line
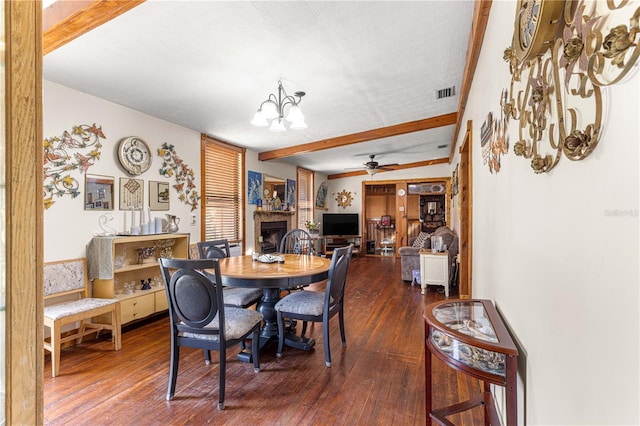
point(401, 192)
point(134, 155)
point(536, 26)
point(529, 12)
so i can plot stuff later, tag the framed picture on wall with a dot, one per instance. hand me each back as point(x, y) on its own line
point(254, 187)
point(131, 194)
point(385, 220)
point(159, 195)
point(98, 192)
point(291, 193)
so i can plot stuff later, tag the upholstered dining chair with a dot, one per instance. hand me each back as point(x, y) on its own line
point(199, 318)
point(296, 241)
point(233, 296)
point(318, 306)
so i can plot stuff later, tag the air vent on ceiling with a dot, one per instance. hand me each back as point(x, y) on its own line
point(446, 92)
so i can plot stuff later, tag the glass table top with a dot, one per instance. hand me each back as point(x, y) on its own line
point(469, 318)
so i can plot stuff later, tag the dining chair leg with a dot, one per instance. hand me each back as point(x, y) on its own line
point(223, 373)
point(173, 370)
point(255, 350)
point(280, 334)
point(342, 334)
point(304, 328)
point(207, 356)
point(327, 347)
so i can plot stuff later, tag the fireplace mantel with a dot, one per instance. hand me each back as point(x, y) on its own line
point(260, 216)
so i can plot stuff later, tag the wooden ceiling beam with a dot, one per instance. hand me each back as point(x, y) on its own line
point(476, 37)
point(397, 167)
point(65, 21)
point(368, 135)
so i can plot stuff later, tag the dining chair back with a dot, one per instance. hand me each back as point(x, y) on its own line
point(199, 318)
point(214, 249)
point(296, 241)
point(233, 296)
point(317, 306)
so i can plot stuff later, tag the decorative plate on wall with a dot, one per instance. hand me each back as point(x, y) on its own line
point(134, 155)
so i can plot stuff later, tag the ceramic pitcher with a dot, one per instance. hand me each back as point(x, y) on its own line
point(172, 223)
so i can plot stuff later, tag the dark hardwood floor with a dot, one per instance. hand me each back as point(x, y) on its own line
point(377, 379)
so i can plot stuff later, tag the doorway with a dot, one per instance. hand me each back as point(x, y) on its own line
point(466, 209)
point(395, 211)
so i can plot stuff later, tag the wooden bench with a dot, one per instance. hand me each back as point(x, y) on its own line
point(68, 278)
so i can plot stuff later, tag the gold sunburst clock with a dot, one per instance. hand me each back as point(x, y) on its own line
point(344, 199)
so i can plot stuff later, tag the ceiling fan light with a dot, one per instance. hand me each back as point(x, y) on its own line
point(277, 126)
point(259, 120)
point(372, 171)
point(299, 124)
point(295, 114)
point(269, 110)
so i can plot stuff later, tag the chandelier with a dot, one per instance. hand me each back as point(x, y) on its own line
point(271, 112)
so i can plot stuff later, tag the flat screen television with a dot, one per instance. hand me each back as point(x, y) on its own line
point(340, 224)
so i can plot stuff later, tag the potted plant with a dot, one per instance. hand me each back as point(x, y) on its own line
point(312, 226)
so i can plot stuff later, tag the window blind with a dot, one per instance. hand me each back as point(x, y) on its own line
point(305, 196)
point(223, 166)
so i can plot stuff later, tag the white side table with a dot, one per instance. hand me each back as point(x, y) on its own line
point(434, 270)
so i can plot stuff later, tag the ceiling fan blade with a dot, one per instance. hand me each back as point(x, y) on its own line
point(387, 165)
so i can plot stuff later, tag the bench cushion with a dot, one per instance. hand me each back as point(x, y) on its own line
point(66, 309)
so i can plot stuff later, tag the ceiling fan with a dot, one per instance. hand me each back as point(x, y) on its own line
point(372, 166)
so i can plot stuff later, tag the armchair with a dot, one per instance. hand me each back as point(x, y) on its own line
point(410, 256)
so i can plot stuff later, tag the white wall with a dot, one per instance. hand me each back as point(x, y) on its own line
point(562, 268)
point(68, 227)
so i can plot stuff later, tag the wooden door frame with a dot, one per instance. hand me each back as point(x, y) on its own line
point(401, 228)
point(24, 213)
point(466, 214)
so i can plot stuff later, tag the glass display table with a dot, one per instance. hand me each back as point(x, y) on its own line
point(470, 336)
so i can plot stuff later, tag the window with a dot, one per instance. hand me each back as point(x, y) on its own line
point(222, 183)
point(305, 196)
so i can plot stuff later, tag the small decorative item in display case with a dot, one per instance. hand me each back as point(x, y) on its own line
point(145, 255)
point(164, 248)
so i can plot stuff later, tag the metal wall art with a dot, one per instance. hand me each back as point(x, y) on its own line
point(173, 165)
point(562, 57)
point(455, 180)
point(495, 137)
point(344, 199)
point(60, 159)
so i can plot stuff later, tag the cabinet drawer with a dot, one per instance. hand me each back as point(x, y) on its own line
point(137, 307)
point(161, 301)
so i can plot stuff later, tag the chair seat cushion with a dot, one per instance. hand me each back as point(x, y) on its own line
point(237, 321)
point(65, 309)
point(237, 296)
point(303, 303)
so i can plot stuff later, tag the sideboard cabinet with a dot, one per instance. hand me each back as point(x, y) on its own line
point(118, 267)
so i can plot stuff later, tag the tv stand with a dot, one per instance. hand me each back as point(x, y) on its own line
point(335, 241)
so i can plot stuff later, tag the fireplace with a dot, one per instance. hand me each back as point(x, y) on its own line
point(272, 233)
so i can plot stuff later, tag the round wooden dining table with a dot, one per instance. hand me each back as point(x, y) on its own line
point(296, 270)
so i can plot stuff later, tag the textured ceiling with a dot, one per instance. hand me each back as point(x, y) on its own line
point(207, 65)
